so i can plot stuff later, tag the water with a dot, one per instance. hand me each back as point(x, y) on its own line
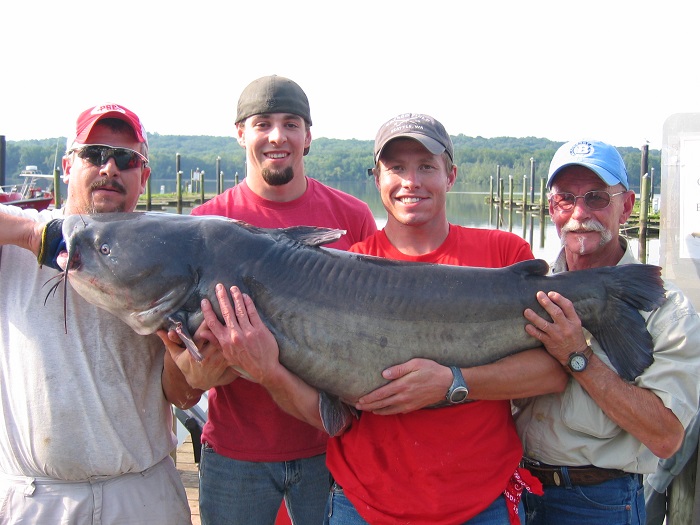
point(466, 206)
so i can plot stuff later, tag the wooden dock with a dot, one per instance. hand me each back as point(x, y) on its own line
point(189, 474)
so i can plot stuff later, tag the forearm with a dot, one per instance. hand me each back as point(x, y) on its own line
point(419, 383)
point(526, 374)
point(20, 231)
point(636, 410)
point(294, 396)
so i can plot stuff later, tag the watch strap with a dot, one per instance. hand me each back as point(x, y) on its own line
point(458, 383)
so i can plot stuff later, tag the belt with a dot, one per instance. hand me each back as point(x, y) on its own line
point(588, 475)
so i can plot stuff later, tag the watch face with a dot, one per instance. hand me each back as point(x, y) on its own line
point(458, 395)
point(578, 362)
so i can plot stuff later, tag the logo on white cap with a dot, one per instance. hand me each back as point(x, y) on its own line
point(582, 149)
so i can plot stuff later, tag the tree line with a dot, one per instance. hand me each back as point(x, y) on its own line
point(329, 160)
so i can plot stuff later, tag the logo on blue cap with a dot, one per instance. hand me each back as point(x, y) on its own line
point(582, 148)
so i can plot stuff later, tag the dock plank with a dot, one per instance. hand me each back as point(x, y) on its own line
point(189, 473)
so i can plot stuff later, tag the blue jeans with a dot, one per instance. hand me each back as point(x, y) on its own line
point(250, 493)
point(615, 502)
point(339, 511)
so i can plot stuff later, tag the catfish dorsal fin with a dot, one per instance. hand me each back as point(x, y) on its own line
point(532, 266)
point(312, 235)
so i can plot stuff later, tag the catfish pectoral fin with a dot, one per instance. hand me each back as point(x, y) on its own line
point(243, 373)
point(181, 330)
point(619, 328)
point(630, 352)
point(335, 415)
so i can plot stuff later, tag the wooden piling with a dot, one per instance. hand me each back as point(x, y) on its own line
point(543, 208)
point(149, 195)
point(57, 199)
point(219, 177)
point(178, 189)
point(643, 216)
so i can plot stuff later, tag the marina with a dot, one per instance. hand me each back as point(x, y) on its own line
point(31, 193)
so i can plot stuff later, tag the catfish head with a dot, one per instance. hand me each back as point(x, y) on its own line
point(135, 266)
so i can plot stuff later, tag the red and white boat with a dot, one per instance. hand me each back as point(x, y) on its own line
point(30, 194)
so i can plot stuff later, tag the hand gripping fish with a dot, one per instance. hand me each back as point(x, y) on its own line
point(341, 318)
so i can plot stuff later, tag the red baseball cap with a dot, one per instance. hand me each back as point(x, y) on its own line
point(90, 116)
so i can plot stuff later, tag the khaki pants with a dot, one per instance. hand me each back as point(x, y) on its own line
point(152, 497)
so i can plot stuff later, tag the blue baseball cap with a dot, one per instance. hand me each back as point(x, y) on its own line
point(599, 157)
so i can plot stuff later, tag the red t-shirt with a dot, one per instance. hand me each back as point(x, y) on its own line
point(432, 466)
point(243, 421)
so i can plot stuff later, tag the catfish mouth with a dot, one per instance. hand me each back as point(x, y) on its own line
point(67, 261)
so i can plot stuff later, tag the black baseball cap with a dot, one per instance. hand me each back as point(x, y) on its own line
point(423, 128)
point(273, 94)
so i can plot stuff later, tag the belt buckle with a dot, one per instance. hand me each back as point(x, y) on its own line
point(557, 479)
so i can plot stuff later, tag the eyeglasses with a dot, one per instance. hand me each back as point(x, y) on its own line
point(99, 154)
point(594, 200)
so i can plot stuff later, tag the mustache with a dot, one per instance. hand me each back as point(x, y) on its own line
point(589, 225)
point(112, 184)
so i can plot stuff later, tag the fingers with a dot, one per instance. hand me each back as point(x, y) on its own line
point(168, 338)
point(241, 312)
point(227, 310)
point(566, 306)
point(245, 303)
point(241, 307)
point(556, 304)
point(414, 384)
point(208, 311)
point(534, 317)
point(541, 328)
point(172, 343)
point(397, 371)
point(231, 313)
point(559, 308)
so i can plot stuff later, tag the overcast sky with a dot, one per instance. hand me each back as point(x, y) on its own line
point(613, 70)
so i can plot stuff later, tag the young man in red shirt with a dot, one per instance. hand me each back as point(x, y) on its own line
point(400, 462)
point(253, 453)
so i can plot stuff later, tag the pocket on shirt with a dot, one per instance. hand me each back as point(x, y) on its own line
point(580, 413)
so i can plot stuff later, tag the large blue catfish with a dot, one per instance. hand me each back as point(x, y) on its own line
point(341, 318)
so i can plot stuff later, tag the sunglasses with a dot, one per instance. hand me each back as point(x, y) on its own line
point(594, 200)
point(99, 154)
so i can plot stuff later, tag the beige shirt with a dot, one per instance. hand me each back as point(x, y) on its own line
point(569, 429)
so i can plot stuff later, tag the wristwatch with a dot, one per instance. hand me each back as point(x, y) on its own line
point(458, 391)
point(578, 361)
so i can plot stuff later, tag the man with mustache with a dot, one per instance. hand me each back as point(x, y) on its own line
point(591, 444)
point(85, 416)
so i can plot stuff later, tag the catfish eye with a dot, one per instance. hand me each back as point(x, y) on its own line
point(104, 249)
